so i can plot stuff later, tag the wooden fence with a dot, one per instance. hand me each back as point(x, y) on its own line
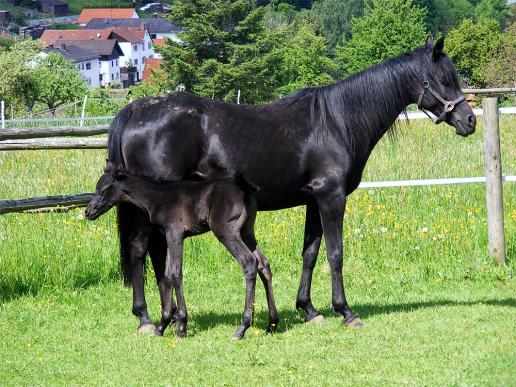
point(51, 138)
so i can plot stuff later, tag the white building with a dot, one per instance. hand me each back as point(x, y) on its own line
point(108, 53)
point(86, 62)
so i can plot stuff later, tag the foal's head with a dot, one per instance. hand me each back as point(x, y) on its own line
point(107, 194)
point(439, 92)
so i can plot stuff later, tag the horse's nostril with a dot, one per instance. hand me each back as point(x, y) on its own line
point(472, 120)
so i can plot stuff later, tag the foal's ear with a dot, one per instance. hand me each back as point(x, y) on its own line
point(438, 49)
point(429, 42)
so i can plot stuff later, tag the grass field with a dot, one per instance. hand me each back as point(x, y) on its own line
point(437, 310)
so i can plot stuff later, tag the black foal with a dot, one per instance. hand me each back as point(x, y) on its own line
point(224, 206)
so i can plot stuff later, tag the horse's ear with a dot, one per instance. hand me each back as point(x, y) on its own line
point(429, 42)
point(438, 49)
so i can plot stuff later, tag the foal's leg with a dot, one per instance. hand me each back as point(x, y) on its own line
point(173, 279)
point(264, 271)
point(233, 242)
point(332, 205)
point(312, 242)
point(138, 250)
point(158, 255)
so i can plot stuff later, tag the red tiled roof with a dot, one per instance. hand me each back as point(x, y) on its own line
point(51, 36)
point(151, 65)
point(158, 42)
point(129, 34)
point(108, 13)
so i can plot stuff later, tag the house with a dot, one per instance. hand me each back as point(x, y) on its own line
point(86, 62)
point(135, 42)
point(136, 45)
point(49, 37)
point(88, 14)
point(55, 7)
point(158, 28)
point(5, 15)
point(151, 66)
point(109, 53)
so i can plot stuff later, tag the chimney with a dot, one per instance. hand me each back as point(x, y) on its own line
point(98, 35)
point(63, 46)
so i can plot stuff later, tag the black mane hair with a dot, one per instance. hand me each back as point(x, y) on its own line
point(115, 134)
point(367, 102)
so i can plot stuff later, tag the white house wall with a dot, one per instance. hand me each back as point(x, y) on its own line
point(91, 75)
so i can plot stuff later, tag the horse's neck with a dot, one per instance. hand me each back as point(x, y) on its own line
point(384, 98)
point(142, 195)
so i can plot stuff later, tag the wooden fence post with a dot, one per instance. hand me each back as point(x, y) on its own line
point(493, 171)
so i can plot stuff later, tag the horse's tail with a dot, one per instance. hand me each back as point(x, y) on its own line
point(126, 214)
point(116, 130)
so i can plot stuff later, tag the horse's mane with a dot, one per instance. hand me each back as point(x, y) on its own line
point(115, 134)
point(364, 103)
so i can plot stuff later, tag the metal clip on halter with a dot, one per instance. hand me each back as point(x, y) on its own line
point(448, 106)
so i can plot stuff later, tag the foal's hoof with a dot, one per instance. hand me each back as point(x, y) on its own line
point(353, 322)
point(317, 320)
point(147, 329)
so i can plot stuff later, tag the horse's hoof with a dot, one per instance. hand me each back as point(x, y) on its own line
point(147, 329)
point(353, 322)
point(319, 319)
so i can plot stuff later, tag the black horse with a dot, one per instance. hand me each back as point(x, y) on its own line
point(309, 148)
point(179, 210)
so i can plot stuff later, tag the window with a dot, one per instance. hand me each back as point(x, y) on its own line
point(149, 45)
point(100, 63)
point(100, 78)
point(112, 63)
point(116, 62)
point(135, 48)
point(88, 67)
point(143, 60)
point(112, 77)
point(143, 46)
point(153, 36)
point(117, 75)
point(136, 62)
point(82, 66)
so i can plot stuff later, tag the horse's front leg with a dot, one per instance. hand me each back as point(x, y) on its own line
point(312, 242)
point(332, 205)
point(173, 280)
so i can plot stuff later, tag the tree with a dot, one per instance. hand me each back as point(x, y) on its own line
point(500, 70)
point(492, 9)
point(216, 59)
point(18, 74)
point(471, 46)
point(335, 17)
point(211, 30)
point(444, 15)
point(58, 81)
point(388, 28)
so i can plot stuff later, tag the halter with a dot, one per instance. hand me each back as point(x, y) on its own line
point(448, 106)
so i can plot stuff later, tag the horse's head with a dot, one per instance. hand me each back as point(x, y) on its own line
point(107, 194)
point(439, 90)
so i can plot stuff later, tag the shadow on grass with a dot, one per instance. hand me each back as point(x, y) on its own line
point(291, 317)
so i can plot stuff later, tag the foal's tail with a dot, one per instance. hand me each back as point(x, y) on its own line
point(116, 129)
point(126, 214)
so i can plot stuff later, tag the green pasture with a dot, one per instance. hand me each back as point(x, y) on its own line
point(437, 310)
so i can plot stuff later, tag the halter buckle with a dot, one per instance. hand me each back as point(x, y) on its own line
point(449, 106)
